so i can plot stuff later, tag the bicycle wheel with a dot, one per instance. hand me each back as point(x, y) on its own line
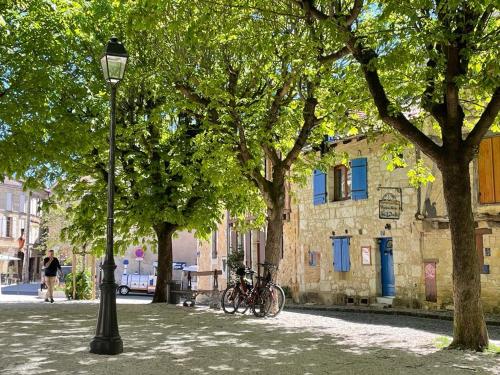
point(228, 299)
point(277, 301)
point(241, 303)
point(262, 302)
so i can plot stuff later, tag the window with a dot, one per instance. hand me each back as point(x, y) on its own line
point(339, 183)
point(341, 260)
point(489, 170)
point(22, 201)
point(8, 202)
point(8, 227)
point(313, 258)
point(214, 244)
point(343, 182)
point(483, 268)
point(319, 187)
point(359, 189)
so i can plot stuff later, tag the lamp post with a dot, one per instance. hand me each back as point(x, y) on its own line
point(107, 339)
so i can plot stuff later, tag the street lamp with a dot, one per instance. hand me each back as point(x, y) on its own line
point(107, 339)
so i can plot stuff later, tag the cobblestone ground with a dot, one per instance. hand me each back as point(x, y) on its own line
point(39, 338)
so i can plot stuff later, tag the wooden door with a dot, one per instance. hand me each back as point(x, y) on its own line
point(430, 281)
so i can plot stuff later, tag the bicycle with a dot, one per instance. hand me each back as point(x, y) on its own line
point(274, 294)
point(266, 298)
point(243, 294)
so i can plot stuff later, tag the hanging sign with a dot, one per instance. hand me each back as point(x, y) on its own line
point(389, 207)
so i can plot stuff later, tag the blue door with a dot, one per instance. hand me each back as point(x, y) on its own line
point(387, 264)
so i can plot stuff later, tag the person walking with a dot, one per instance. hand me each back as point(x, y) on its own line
point(51, 265)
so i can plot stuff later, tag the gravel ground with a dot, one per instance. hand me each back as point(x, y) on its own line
point(39, 338)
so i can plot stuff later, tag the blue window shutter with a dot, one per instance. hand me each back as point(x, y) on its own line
point(346, 260)
point(319, 187)
point(359, 187)
point(337, 254)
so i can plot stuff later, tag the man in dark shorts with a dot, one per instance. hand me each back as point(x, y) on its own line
point(51, 265)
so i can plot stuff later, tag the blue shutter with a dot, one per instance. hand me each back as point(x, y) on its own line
point(319, 187)
point(346, 260)
point(337, 254)
point(359, 187)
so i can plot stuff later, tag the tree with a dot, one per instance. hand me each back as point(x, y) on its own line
point(439, 56)
point(163, 183)
point(240, 74)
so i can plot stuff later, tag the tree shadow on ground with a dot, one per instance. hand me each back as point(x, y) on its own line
point(436, 326)
point(159, 339)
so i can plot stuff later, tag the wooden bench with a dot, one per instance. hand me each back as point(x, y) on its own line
point(192, 294)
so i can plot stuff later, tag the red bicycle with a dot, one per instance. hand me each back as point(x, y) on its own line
point(265, 298)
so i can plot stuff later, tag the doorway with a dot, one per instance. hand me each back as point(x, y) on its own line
point(387, 267)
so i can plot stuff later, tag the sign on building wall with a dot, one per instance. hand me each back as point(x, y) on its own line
point(389, 206)
point(366, 258)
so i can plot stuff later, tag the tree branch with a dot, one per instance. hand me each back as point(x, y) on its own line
point(310, 121)
point(354, 13)
point(189, 93)
point(325, 59)
point(308, 7)
point(484, 122)
point(396, 119)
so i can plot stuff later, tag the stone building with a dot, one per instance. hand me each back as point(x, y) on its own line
point(360, 234)
point(15, 204)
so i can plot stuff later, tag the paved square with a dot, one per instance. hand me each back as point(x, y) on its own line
point(40, 338)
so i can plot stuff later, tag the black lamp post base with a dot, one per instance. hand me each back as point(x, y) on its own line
point(106, 346)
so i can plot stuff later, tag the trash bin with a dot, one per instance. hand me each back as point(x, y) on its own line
point(174, 298)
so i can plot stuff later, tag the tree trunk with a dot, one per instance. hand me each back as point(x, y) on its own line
point(164, 232)
point(469, 327)
point(274, 233)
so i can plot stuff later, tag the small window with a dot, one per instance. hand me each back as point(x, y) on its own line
point(339, 183)
point(341, 257)
point(313, 258)
point(8, 203)
point(8, 227)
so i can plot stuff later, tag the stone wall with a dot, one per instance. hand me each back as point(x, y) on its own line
point(206, 262)
point(360, 221)
point(420, 234)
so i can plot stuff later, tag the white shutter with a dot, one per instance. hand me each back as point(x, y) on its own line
point(22, 200)
point(3, 226)
point(8, 204)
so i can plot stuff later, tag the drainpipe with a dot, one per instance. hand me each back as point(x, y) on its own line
point(418, 214)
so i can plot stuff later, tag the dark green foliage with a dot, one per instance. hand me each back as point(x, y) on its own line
point(83, 285)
